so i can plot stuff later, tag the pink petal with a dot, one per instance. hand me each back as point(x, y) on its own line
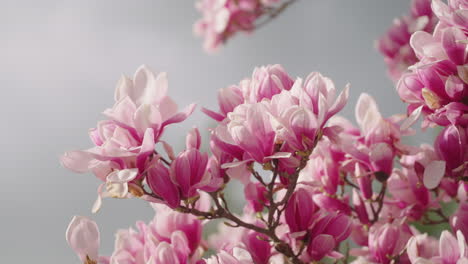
point(454, 49)
point(181, 116)
point(322, 245)
point(169, 150)
point(124, 88)
point(280, 155)
point(147, 116)
point(77, 161)
point(340, 101)
point(83, 237)
point(412, 118)
point(216, 116)
point(122, 176)
point(448, 247)
point(434, 173)
point(193, 139)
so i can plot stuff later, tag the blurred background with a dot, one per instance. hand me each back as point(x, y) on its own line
point(60, 61)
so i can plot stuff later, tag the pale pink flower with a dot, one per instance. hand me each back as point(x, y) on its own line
point(422, 247)
point(171, 238)
point(371, 150)
point(410, 186)
point(451, 249)
point(387, 241)
point(125, 142)
point(318, 94)
point(250, 128)
point(142, 103)
point(83, 237)
point(323, 167)
point(168, 221)
point(266, 81)
point(395, 44)
point(407, 188)
point(454, 13)
point(224, 18)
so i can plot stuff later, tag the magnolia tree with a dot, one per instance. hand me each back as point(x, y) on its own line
point(317, 188)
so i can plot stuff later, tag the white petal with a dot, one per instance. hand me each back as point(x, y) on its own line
point(433, 174)
point(411, 119)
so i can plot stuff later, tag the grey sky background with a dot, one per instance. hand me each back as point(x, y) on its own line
point(60, 61)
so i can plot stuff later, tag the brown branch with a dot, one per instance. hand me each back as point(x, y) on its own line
point(347, 181)
point(428, 221)
point(380, 201)
point(274, 12)
point(162, 158)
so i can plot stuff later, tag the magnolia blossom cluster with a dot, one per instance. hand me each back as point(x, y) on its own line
point(314, 182)
point(437, 86)
point(437, 83)
point(222, 19)
point(395, 44)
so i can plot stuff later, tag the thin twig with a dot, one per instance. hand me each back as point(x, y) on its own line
point(273, 13)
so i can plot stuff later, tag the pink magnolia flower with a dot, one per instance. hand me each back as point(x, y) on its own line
point(451, 146)
point(318, 94)
point(266, 81)
point(332, 203)
point(83, 237)
point(258, 246)
point(167, 221)
point(326, 235)
point(410, 186)
point(171, 238)
point(371, 150)
point(422, 247)
point(141, 247)
point(300, 115)
point(323, 167)
point(250, 128)
point(387, 241)
point(451, 250)
point(224, 18)
point(160, 182)
point(438, 81)
point(189, 170)
point(164, 253)
point(453, 13)
point(409, 192)
point(143, 103)
point(300, 210)
point(125, 142)
point(395, 44)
